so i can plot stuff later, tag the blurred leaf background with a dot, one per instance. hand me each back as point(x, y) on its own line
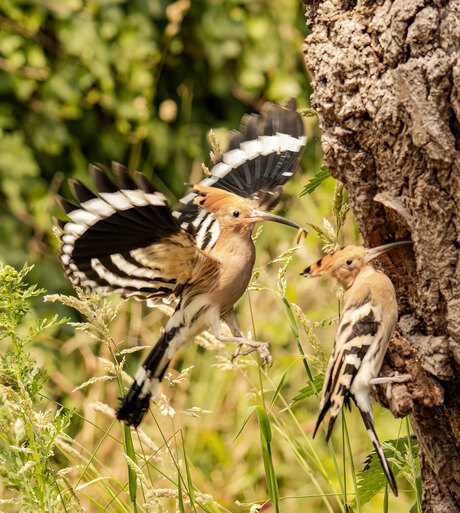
point(142, 82)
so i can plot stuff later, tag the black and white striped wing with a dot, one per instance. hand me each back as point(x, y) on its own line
point(260, 160)
point(124, 239)
point(359, 330)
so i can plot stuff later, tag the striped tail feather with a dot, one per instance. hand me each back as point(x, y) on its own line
point(136, 402)
point(369, 423)
point(333, 417)
point(261, 158)
point(321, 416)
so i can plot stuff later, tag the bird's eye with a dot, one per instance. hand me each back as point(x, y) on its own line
point(349, 262)
point(236, 214)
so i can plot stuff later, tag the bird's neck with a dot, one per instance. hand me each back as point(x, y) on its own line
point(236, 252)
point(348, 279)
point(234, 240)
point(365, 271)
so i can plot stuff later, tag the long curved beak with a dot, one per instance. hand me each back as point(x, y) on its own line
point(375, 252)
point(258, 215)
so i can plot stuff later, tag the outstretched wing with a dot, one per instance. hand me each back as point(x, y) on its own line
point(260, 159)
point(124, 239)
point(359, 328)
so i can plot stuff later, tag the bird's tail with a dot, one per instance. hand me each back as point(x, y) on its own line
point(333, 406)
point(321, 416)
point(369, 423)
point(146, 381)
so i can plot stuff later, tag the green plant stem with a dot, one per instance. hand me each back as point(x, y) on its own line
point(306, 467)
point(127, 438)
point(261, 383)
point(418, 485)
point(352, 464)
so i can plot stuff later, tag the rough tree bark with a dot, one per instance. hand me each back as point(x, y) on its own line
point(386, 81)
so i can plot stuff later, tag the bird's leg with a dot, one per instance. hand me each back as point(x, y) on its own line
point(390, 380)
point(240, 341)
point(397, 378)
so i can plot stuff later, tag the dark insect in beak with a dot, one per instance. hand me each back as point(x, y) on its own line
point(306, 271)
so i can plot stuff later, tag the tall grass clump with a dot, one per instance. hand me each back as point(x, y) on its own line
point(30, 430)
point(146, 462)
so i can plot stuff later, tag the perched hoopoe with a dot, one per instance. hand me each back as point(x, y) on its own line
point(369, 317)
point(125, 239)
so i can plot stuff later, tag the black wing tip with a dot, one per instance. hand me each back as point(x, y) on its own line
point(144, 183)
point(122, 176)
point(291, 104)
point(101, 179)
point(321, 416)
point(66, 205)
point(272, 118)
point(330, 426)
point(118, 167)
point(95, 169)
point(79, 191)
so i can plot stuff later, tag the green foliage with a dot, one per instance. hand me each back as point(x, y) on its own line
point(265, 443)
point(29, 434)
point(316, 181)
point(399, 453)
point(140, 82)
point(340, 208)
point(309, 389)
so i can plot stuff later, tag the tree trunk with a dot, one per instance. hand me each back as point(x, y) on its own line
point(386, 81)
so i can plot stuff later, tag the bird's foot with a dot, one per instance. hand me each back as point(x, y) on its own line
point(390, 381)
point(261, 347)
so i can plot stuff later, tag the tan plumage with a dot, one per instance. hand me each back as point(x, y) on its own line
point(369, 317)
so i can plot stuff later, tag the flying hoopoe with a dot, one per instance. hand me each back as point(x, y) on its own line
point(369, 317)
point(125, 239)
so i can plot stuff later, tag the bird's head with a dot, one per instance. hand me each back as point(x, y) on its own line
point(231, 210)
point(345, 264)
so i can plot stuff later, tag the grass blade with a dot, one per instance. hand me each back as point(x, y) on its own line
point(132, 478)
point(265, 440)
point(249, 412)
point(278, 388)
point(264, 424)
point(179, 492)
point(352, 464)
point(189, 479)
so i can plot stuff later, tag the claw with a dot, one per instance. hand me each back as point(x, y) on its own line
point(260, 347)
point(254, 345)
